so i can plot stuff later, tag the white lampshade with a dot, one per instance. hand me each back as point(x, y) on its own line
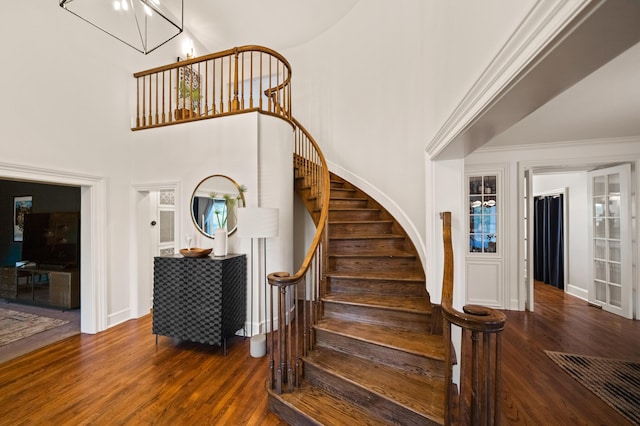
point(258, 222)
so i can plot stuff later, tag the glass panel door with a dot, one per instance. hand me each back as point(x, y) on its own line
point(609, 196)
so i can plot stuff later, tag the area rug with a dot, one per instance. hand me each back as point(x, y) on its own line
point(617, 382)
point(18, 325)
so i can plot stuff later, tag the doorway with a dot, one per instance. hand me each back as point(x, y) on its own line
point(93, 293)
point(548, 238)
point(156, 223)
point(590, 257)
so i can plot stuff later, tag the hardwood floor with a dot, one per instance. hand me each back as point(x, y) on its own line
point(537, 392)
point(121, 377)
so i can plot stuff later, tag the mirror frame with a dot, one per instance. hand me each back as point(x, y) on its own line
point(193, 195)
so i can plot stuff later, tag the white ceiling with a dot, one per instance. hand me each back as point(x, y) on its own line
point(253, 21)
point(605, 104)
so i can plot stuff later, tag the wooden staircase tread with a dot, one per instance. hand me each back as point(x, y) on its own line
point(346, 222)
point(389, 302)
point(419, 393)
point(326, 408)
point(411, 341)
point(378, 275)
point(366, 237)
point(381, 253)
point(350, 209)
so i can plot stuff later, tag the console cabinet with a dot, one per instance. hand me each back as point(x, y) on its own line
point(200, 300)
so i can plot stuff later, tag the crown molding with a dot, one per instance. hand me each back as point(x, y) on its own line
point(540, 26)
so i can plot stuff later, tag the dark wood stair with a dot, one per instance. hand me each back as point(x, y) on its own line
point(375, 359)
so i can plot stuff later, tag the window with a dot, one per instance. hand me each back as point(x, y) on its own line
point(482, 214)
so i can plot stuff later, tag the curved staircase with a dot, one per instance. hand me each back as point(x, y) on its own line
point(376, 358)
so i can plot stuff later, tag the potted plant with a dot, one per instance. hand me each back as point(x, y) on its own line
point(188, 101)
point(222, 216)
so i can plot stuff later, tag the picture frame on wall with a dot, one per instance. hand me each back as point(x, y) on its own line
point(22, 206)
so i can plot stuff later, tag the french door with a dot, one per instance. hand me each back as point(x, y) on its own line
point(609, 195)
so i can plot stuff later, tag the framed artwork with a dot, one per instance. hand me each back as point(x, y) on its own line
point(21, 206)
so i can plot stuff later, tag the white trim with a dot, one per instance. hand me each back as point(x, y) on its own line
point(545, 20)
point(394, 209)
point(559, 144)
point(93, 281)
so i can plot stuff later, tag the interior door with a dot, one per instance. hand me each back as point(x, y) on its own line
point(609, 194)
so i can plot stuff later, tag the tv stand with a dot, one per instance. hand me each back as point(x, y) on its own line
point(55, 286)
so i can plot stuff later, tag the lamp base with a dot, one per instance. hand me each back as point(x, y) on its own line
point(258, 346)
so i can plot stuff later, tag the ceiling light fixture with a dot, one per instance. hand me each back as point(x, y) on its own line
point(143, 25)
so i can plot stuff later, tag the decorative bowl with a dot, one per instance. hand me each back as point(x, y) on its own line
point(195, 252)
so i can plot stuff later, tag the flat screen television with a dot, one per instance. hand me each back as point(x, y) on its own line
point(52, 239)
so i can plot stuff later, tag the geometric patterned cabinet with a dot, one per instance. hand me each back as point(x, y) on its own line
point(201, 300)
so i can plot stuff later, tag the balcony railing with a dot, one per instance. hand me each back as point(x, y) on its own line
point(236, 80)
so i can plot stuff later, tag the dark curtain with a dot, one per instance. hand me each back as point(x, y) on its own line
point(548, 245)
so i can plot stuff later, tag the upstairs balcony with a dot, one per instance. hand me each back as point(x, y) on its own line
point(242, 79)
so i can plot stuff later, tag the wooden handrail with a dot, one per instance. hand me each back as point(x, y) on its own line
point(214, 85)
point(477, 401)
point(285, 364)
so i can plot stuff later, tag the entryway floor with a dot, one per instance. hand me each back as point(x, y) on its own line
point(37, 341)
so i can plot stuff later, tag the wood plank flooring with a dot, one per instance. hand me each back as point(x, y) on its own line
point(121, 377)
point(537, 392)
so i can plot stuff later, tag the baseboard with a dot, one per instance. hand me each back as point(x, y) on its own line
point(578, 292)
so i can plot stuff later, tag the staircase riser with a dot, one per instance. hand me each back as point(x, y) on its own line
point(371, 264)
point(399, 288)
point(342, 193)
point(356, 228)
point(288, 414)
point(363, 397)
point(365, 245)
point(401, 360)
point(409, 320)
point(347, 203)
point(355, 214)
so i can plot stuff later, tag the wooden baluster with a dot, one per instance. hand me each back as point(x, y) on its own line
point(251, 79)
point(164, 85)
point(261, 89)
point(144, 94)
point(137, 102)
point(242, 87)
point(297, 334)
point(221, 84)
point(206, 88)
point(289, 341)
point(235, 105)
point(199, 92)
point(272, 333)
point(157, 118)
point(170, 105)
point(150, 109)
point(213, 82)
point(496, 379)
point(270, 76)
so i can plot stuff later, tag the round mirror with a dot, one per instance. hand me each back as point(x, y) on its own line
point(215, 203)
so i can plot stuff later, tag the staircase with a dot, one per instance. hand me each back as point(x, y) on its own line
point(376, 359)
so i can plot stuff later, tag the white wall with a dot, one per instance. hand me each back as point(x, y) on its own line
point(576, 235)
point(252, 149)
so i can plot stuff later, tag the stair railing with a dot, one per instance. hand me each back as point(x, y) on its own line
point(303, 287)
point(477, 401)
point(241, 79)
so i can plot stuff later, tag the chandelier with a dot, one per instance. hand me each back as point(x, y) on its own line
point(143, 25)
